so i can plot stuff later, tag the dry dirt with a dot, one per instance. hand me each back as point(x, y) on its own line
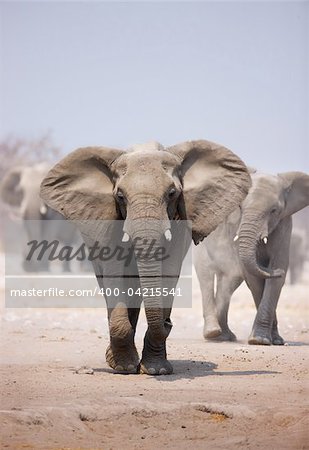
point(221, 395)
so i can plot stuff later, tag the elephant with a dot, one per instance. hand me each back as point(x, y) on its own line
point(252, 244)
point(298, 254)
point(301, 223)
point(20, 188)
point(144, 193)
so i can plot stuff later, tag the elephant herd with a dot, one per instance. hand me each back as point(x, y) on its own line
point(240, 222)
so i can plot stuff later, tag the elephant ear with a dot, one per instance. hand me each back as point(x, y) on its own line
point(80, 186)
point(296, 185)
point(9, 188)
point(215, 181)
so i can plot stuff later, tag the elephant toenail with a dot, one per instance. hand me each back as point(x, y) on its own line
point(131, 368)
point(151, 371)
point(162, 371)
point(119, 368)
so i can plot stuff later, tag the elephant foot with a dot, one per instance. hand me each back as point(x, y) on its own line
point(277, 339)
point(259, 339)
point(154, 360)
point(157, 366)
point(224, 336)
point(123, 360)
point(211, 330)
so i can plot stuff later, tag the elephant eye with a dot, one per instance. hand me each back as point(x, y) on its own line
point(172, 192)
point(120, 195)
point(273, 210)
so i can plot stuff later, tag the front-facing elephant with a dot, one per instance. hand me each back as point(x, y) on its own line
point(252, 244)
point(149, 188)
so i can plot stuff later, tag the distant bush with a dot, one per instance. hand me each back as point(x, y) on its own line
point(19, 151)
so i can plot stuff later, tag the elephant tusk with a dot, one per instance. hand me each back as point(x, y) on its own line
point(265, 240)
point(125, 237)
point(236, 238)
point(168, 235)
point(43, 209)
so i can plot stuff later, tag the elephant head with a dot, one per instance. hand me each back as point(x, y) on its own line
point(270, 200)
point(20, 188)
point(198, 181)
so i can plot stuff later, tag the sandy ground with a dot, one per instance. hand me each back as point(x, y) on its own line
point(222, 395)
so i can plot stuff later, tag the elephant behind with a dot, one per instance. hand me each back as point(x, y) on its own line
point(20, 189)
point(298, 255)
point(252, 244)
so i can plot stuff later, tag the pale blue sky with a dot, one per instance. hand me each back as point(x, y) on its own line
point(121, 73)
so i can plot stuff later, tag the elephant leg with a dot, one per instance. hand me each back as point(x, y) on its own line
point(121, 354)
point(226, 285)
point(133, 314)
point(154, 357)
point(256, 286)
point(275, 336)
point(206, 276)
point(133, 302)
point(123, 313)
point(265, 324)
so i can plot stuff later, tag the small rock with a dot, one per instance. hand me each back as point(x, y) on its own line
point(84, 370)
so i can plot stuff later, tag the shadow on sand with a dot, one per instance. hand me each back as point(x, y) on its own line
point(187, 369)
point(296, 344)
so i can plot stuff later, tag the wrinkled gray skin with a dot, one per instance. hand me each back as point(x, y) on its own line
point(147, 187)
point(265, 215)
point(20, 188)
point(298, 255)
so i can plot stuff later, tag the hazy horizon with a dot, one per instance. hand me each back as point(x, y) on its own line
point(116, 74)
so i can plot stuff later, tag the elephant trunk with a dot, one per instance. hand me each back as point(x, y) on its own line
point(149, 238)
point(250, 237)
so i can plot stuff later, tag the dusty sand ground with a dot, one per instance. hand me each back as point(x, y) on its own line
point(222, 395)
